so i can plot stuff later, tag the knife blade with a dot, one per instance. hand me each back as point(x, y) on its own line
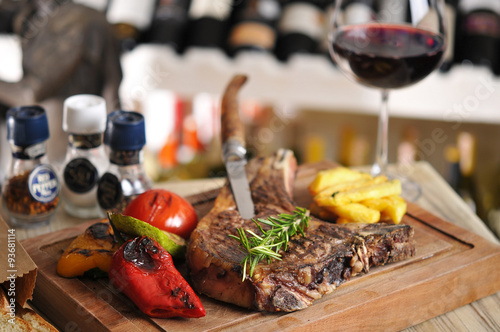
point(233, 147)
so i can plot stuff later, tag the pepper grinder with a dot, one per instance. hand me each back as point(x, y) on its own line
point(126, 178)
point(31, 190)
point(84, 119)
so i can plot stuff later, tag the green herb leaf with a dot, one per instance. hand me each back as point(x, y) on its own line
point(269, 243)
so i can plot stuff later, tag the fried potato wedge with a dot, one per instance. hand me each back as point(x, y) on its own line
point(392, 208)
point(396, 209)
point(344, 186)
point(388, 188)
point(331, 177)
point(343, 195)
point(379, 204)
point(356, 212)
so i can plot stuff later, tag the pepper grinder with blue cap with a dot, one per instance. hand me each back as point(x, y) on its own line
point(31, 192)
point(84, 119)
point(126, 177)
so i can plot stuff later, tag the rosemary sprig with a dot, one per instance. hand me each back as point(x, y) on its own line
point(269, 243)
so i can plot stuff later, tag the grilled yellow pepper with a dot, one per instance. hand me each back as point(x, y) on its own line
point(90, 253)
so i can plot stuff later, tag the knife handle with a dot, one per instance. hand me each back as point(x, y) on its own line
point(231, 126)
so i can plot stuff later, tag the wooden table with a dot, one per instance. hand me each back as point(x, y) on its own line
point(437, 197)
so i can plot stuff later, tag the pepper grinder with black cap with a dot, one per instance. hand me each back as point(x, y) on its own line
point(126, 177)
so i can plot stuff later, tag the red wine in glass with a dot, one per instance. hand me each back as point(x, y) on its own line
point(387, 56)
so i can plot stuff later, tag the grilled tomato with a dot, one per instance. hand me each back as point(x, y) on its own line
point(164, 210)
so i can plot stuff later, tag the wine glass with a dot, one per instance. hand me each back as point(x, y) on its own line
point(387, 44)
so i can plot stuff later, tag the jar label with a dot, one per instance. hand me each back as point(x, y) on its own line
point(109, 191)
point(43, 184)
point(80, 175)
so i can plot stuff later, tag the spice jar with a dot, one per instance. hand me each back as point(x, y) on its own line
point(31, 189)
point(84, 119)
point(126, 178)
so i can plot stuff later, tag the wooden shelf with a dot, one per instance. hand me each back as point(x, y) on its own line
point(466, 94)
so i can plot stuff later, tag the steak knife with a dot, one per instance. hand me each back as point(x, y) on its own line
point(233, 147)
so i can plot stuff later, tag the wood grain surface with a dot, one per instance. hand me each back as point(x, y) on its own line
point(453, 267)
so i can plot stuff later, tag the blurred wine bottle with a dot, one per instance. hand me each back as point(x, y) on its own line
point(130, 19)
point(493, 215)
point(359, 11)
point(254, 26)
point(162, 111)
point(480, 33)
point(192, 165)
point(324, 47)
point(261, 139)
point(452, 159)
point(8, 9)
point(99, 5)
point(170, 21)
point(206, 114)
point(353, 149)
point(464, 181)
point(301, 27)
point(407, 147)
point(451, 7)
point(208, 23)
point(191, 146)
point(347, 137)
point(315, 149)
point(199, 153)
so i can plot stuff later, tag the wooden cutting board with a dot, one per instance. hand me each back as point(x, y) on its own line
point(452, 267)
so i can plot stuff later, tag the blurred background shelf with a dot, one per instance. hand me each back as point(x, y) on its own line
point(468, 94)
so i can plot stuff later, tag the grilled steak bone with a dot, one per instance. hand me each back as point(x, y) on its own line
point(313, 265)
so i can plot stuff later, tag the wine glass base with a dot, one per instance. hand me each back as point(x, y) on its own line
point(410, 190)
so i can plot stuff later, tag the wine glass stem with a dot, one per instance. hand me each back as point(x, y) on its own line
point(380, 166)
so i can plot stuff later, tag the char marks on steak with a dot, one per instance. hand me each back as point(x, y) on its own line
point(313, 265)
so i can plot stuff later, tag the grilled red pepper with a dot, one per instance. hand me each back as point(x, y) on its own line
point(144, 271)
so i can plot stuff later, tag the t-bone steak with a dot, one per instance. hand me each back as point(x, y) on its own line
point(312, 266)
